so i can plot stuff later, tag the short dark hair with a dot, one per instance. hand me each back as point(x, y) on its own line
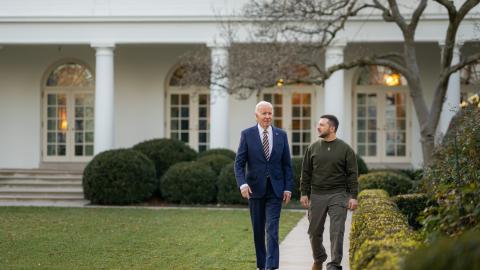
point(333, 121)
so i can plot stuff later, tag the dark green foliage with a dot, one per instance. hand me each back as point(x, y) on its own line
point(391, 182)
point(448, 253)
point(362, 166)
point(228, 191)
point(411, 205)
point(218, 151)
point(216, 162)
point(164, 153)
point(380, 234)
point(121, 176)
point(189, 183)
point(452, 179)
point(297, 173)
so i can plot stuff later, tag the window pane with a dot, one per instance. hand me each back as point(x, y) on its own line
point(401, 150)
point(52, 112)
point(89, 150)
point(361, 150)
point(174, 112)
point(184, 137)
point(296, 150)
point(174, 99)
point(71, 74)
point(184, 124)
point(372, 150)
point(89, 137)
point(185, 111)
point(296, 112)
point(295, 137)
point(185, 99)
point(79, 150)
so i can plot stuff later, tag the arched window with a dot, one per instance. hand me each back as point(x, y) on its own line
point(68, 116)
point(380, 75)
point(70, 75)
point(188, 110)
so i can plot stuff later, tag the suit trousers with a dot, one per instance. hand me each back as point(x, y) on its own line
point(265, 216)
point(335, 205)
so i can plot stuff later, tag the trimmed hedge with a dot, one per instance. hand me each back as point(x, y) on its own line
point(216, 162)
point(391, 182)
point(380, 235)
point(448, 253)
point(164, 153)
point(218, 151)
point(228, 191)
point(189, 183)
point(121, 176)
point(412, 205)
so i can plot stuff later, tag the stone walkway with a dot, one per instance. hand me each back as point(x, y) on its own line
point(295, 251)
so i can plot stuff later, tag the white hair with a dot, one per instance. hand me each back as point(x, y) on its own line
point(263, 103)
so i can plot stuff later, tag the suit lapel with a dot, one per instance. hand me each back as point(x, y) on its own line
point(258, 141)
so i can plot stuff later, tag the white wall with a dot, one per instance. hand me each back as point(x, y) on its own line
point(21, 72)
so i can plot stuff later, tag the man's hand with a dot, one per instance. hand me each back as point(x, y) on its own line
point(246, 191)
point(305, 201)
point(352, 204)
point(286, 196)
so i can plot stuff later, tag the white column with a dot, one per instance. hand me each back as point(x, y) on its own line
point(452, 96)
point(219, 97)
point(334, 87)
point(104, 98)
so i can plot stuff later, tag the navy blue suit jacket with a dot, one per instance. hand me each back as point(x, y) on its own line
point(278, 167)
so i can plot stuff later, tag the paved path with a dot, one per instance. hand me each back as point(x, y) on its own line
point(295, 252)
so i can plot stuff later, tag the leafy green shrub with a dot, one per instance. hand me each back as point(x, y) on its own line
point(362, 166)
point(228, 191)
point(448, 253)
point(189, 182)
point(411, 205)
point(216, 162)
point(297, 173)
point(218, 151)
point(391, 182)
point(380, 234)
point(452, 178)
point(164, 153)
point(121, 176)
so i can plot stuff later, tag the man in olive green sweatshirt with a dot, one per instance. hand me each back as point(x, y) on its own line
point(329, 185)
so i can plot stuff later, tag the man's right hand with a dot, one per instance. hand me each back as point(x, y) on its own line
point(305, 201)
point(246, 191)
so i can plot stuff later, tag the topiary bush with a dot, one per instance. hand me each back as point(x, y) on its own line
point(121, 176)
point(411, 205)
point(228, 191)
point(189, 183)
point(380, 234)
point(391, 182)
point(361, 165)
point(452, 179)
point(218, 151)
point(216, 162)
point(448, 253)
point(164, 153)
point(297, 173)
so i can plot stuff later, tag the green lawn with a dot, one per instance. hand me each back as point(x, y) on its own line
point(122, 238)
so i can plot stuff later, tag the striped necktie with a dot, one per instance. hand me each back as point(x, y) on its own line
point(266, 145)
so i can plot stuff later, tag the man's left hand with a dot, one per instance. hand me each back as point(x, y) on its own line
point(352, 204)
point(286, 197)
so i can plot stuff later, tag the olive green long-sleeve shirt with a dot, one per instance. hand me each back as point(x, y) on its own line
point(329, 167)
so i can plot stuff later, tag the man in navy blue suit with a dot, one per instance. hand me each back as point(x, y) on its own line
point(264, 150)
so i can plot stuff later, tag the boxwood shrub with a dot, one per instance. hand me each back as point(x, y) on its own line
point(164, 153)
point(216, 162)
point(412, 205)
point(121, 176)
point(380, 234)
point(228, 191)
point(218, 151)
point(448, 253)
point(189, 183)
point(391, 182)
